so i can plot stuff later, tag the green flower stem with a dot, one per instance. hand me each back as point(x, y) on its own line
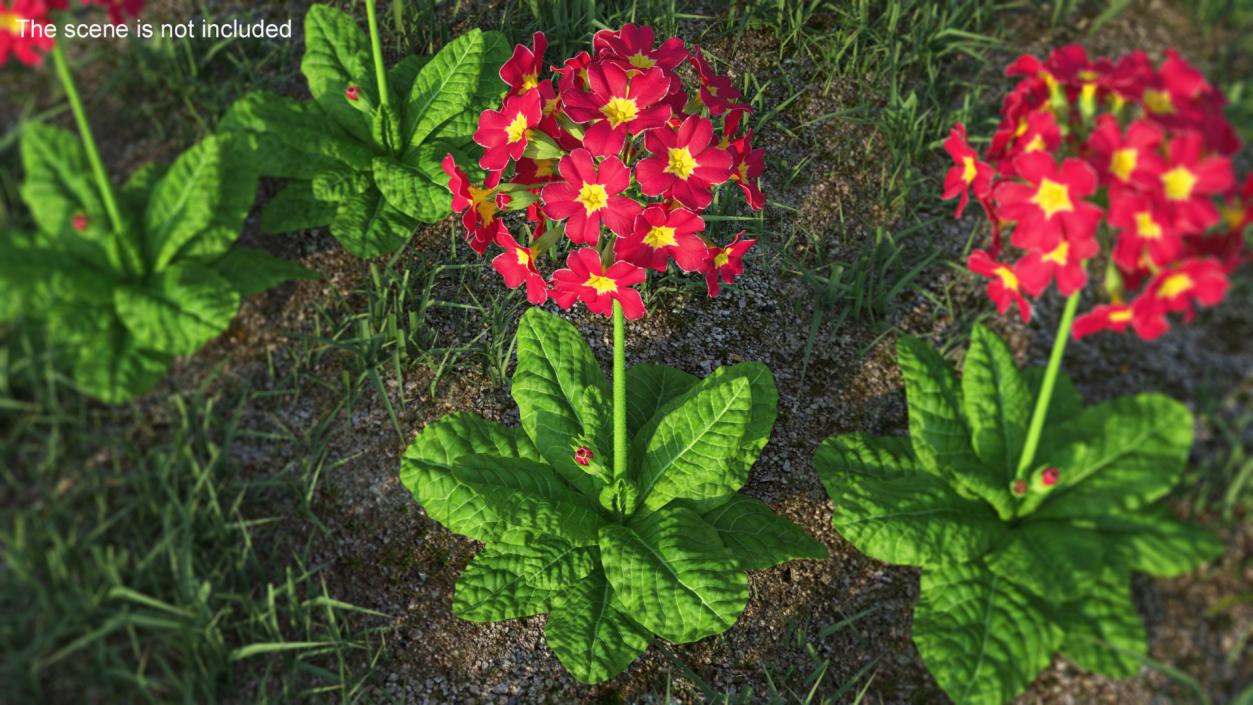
point(89, 141)
point(1046, 387)
point(619, 393)
point(376, 47)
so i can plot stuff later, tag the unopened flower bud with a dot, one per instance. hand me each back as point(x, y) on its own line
point(80, 222)
point(583, 456)
point(1050, 476)
point(352, 93)
point(1019, 488)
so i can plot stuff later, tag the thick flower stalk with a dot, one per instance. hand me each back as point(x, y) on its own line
point(607, 164)
point(1119, 163)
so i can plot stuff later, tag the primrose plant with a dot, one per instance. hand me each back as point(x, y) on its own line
point(1026, 510)
point(364, 156)
point(614, 508)
point(128, 278)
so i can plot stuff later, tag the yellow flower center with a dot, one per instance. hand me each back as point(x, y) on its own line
point(529, 81)
point(713, 90)
point(593, 197)
point(1178, 183)
point(1175, 285)
point(1146, 226)
point(1158, 101)
point(1052, 198)
point(602, 284)
point(1087, 92)
point(682, 163)
point(1035, 145)
point(1233, 216)
point(517, 129)
point(620, 110)
point(639, 61)
point(483, 202)
point(741, 171)
point(1059, 254)
point(1008, 278)
point(551, 105)
point(659, 237)
point(722, 258)
point(10, 22)
point(968, 169)
point(524, 257)
point(1123, 162)
point(1121, 316)
point(1022, 127)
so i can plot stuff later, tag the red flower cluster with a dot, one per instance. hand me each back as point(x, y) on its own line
point(609, 141)
point(30, 48)
point(1123, 158)
point(22, 43)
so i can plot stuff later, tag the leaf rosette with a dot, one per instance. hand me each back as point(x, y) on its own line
point(1016, 566)
point(369, 171)
point(126, 300)
point(613, 561)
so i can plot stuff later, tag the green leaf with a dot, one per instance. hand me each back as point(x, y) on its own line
point(671, 573)
point(367, 226)
point(251, 271)
point(336, 56)
point(179, 310)
point(841, 457)
point(759, 538)
point(48, 277)
point(488, 93)
point(1055, 560)
point(914, 519)
point(1156, 543)
point(1066, 403)
point(554, 381)
point(996, 401)
point(1127, 453)
point(1104, 632)
point(982, 637)
point(494, 587)
point(401, 76)
point(184, 201)
point(444, 86)
point(756, 432)
point(113, 369)
point(937, 428)
point(441, 443)
point(57, 187)
point(592, 638)
point(385, 129)
point(291, 139)
point(339, 184)
point(237, 192)
point(484, 496)
point(688, 454)
point(550, 562)
point(411, 190)
point(296, 208)
point(135, 193)
point(649, 387)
